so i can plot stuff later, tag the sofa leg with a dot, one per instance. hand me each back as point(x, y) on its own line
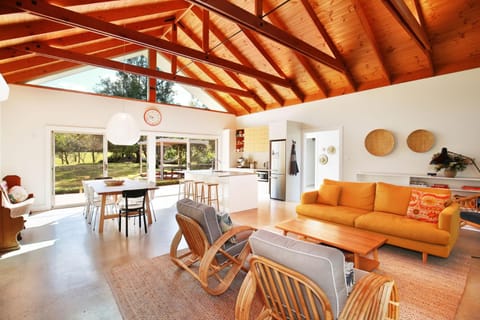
point(424, 257)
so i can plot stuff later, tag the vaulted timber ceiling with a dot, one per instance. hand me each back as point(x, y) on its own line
point(249, 55)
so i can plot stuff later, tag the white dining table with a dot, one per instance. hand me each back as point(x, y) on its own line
point(103, 190)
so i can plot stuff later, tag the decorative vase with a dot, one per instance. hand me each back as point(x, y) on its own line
point(450, 172)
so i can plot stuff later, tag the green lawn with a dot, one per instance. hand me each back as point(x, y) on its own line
point(68, 178)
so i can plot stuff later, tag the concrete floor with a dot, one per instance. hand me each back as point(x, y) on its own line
point(59, 271)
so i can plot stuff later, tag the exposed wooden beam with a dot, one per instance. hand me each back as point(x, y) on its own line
point(421, 18)
point(242, 85)
point(74, 19)
point(215, 31)
point(22, 32)
point(152, 82)
point(304, 61)
point(259, 8)
point(250, 21)
point(329, 41)
point(206, 31)
point(300, 95)
point(47, 51)
point(173, 60)
point(403, 14)
point(407, 20)
point(371, 37)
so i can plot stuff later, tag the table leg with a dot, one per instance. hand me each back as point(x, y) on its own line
point(356, 260)
point(375, 254)
point(102, 213)
point(147, 204)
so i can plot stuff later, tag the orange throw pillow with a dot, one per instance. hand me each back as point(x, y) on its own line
point(329, 194)
point(426, 206)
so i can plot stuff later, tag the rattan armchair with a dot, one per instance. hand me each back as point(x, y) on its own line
point(211, 257)
point(469, 210)
point(287, 294)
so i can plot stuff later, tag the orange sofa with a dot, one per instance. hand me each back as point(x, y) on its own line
point(388, 210)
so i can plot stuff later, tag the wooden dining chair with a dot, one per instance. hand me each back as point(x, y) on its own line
point(132, 205)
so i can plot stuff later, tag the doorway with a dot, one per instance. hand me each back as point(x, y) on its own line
point(322, 157)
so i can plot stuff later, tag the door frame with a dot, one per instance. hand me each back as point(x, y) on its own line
point(308, 134)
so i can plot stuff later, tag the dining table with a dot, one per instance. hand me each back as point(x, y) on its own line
point(104, 190)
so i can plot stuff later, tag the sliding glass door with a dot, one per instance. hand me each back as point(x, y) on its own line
point(84, 156)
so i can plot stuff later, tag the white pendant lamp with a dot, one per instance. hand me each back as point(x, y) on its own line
point(122, 129)
point(4, 89)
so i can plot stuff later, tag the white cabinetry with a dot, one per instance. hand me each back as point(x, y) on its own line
point(458, 186)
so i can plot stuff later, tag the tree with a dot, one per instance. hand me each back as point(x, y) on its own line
point(135, 86)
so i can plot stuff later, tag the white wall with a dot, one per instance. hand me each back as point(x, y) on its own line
point(30, 112)
point(448, 106)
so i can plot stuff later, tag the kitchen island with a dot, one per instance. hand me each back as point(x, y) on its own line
point(237, 191)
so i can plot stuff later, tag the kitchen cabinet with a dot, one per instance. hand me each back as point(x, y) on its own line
point(256, 139)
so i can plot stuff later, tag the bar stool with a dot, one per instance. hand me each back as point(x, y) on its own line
point(212, 195)
point(198, 191)
point(188, 188)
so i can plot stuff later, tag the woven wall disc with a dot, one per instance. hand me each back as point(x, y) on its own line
point(420, 140)
point(379, 142)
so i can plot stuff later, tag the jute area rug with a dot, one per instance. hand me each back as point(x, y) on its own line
point(158, 289)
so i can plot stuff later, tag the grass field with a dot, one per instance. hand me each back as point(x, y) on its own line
point(68, 178)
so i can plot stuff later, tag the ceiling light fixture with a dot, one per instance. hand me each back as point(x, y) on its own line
point(4, 89)
point(122, 129)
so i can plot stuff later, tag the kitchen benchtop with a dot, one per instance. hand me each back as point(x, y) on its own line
point(222, 173)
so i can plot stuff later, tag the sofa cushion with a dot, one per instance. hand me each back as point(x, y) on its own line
point(323, 265)
point(340, 214)
point(329, 194)
point(426, 206)
point(355, 194)
point(403, 227)
point(205, 215)
point(392, 198)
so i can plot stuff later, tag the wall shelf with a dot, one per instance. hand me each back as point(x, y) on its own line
point(463, 186)
point(239, 140)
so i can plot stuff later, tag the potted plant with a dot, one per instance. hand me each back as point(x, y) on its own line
point(451, 165)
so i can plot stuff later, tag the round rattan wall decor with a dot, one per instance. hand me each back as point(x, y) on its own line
point(420, 140)
point(379, 142)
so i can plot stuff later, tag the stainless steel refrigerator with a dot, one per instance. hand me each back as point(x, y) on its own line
point(278, 165)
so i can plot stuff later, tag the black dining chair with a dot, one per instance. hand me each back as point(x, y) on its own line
point(132, 205)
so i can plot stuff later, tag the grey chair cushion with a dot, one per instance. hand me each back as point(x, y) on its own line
point(204, 215)
point(323, 265)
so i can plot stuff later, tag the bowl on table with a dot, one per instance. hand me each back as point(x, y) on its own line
point(114, 182)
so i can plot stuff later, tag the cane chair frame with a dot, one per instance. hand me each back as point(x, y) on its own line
point(286, 294)
point(209, 271)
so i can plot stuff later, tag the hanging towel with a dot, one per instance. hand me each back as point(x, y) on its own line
point(293, 161)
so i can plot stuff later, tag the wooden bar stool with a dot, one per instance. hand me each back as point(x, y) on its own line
point(212, 195)
point(187, 190)
point(198, 191)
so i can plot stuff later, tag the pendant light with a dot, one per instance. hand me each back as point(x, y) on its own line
point(4, 89)
point(122, 129)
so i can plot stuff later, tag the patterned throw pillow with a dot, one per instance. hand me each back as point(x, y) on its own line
point(226, 223)
point(17, 194)
point(426, 206)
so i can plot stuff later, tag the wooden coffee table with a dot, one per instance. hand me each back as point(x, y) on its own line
point(359, 242)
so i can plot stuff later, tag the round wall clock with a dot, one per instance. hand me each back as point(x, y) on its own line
point(152, 116)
